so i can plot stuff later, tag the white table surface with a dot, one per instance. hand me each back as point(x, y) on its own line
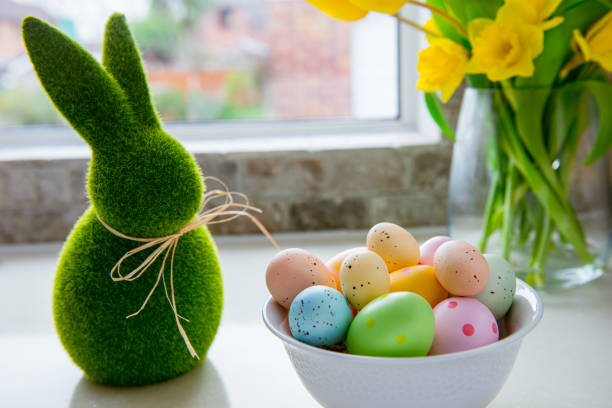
point(565, 362)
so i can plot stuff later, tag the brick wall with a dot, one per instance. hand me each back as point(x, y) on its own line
point(297, 190)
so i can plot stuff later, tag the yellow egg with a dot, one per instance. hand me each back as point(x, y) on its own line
point(394, 244)
point(363, 277)
point(419, 279)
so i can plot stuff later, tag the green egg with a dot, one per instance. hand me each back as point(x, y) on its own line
point(398, 324)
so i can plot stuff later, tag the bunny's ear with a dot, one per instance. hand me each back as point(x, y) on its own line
point(121, 58)
point(88, 97)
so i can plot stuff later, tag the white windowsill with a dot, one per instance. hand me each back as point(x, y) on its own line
point(70, 146)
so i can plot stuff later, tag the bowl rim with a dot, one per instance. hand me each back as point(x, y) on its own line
point(512, 338)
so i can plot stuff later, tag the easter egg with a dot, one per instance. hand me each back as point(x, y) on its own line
point(335, 262)
point(498, 294)
point(419, 279)
point(460, 268)
point(320, 316)
point(394, 244)
point(429, 247)
point(293, 270)
point(462, 324)
point(399, 324)
point(363, 277)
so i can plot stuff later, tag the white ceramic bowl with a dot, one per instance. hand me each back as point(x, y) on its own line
point(468, 379)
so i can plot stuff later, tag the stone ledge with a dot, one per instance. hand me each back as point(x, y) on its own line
point(298, 190)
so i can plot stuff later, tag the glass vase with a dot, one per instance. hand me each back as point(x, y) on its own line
point(519, 185)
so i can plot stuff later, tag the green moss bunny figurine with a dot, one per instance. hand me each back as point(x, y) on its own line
point(143, 183)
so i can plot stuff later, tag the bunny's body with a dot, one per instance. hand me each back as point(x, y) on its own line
point(142, 183)
point(90, 309)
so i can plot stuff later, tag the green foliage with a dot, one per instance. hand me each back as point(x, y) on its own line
point(435, 110)
point(445, 27)
point(467, 10)
point(170, 103)
point(602, 92)
point(557, 208)
point(143, 183)
point(158, 36)
point(27, 105)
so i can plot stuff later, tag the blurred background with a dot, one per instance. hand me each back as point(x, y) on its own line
point(219, 59)
point(317, 120)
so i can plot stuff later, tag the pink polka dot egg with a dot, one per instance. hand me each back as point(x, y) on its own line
point(462, 324)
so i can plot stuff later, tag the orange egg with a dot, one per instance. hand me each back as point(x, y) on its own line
point(336, 276)
point(419, 279)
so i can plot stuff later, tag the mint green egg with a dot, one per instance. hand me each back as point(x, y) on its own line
point(398, 324)
point(498, 294)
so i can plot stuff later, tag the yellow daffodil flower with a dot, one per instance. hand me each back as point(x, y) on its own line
point(381, 6)
point(595, 46)
point(340, 9)
point(432, 27)
point(534, 12)
point(442, 67)
point(503, 49)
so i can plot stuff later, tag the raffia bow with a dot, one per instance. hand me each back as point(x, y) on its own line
point(225, 212)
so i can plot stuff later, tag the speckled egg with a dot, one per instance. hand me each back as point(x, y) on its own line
point(419, 279)
point(462, 324)
point(335, 262)
point(429, 247)
point(394, 244)
point(498, 294)
point(461, 268)
point(364, 277)
point(293, 270)
point(399, 324)
point(320, 316)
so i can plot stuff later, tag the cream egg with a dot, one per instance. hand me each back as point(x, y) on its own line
point(335, 262)
point(394, 244)
point(363, 277)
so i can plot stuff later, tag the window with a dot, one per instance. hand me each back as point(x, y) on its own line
point(248, 66)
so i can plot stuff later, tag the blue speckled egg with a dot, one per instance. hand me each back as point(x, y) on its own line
point(320, 316)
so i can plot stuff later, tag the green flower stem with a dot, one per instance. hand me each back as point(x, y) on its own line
point(565, 218)
point(523, 223)
point(416, 25)
point(508, 210)
point(542, 243)
point(529, 129)
point(487, 227)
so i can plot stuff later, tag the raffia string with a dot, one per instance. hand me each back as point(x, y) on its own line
point(225, 212)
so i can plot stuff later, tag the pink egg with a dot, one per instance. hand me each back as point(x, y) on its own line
point(462, 324)
point(292, 271)
point(428, 249)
